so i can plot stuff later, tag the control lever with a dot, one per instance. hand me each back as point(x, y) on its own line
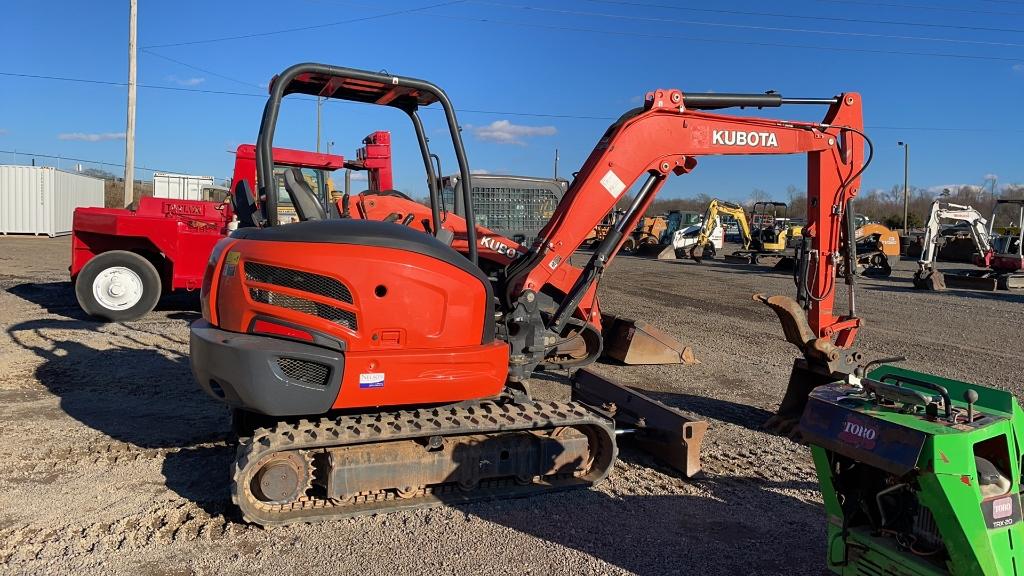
point(898, 393)
point(921, 383)
point(862, 371)
point(970, 396)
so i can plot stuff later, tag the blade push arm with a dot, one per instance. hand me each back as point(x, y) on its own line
point(665, 137)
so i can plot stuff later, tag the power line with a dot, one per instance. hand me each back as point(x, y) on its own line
point(112, 83)
point(806, 17)
point(302, 28)
point(465, 110)
point(561, 28)
point(923, 7)
point(203, 70)
point(749, 26)
point(70, 159)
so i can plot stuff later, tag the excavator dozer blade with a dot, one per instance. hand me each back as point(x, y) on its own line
point(662, 431)
point(635, 342)
point(967, 282)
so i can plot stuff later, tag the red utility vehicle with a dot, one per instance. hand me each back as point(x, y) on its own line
point(123, 260)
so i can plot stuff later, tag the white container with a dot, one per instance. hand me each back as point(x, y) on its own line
point(180, 186)
point(42, 200)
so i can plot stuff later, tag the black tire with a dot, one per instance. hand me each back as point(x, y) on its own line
point(143, 269)
point(629, 246)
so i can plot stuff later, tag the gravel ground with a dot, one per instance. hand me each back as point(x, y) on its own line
point(113, 462)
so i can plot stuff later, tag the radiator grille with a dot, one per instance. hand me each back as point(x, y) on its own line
point(510, 210)
point(320, 310)
point(305, 371)
point(298, 280)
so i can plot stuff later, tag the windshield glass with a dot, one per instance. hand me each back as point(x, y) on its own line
point(313, 178)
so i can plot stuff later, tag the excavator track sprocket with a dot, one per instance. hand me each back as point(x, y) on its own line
point(370, 463)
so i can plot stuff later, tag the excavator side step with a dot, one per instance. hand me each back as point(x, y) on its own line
point(636, 342)
point(664, 432)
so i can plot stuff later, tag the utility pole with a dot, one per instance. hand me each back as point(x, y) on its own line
point(129, 137)
point(906, 187)
point(556, 163)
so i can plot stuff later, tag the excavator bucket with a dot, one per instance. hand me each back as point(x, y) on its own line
point(668, 252)
point(664, 432)
point(659, 251)
point(803, 378)
point(636, 342)
point(931, 280)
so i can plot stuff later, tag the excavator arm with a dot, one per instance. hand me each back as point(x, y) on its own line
point(665, 137)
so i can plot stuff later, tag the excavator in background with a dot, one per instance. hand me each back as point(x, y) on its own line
point(875, 244)
point(1006, 259)
point(383, 364)
point(927, 277)
point(771, 234)
point(703, 248)
point(655, 235)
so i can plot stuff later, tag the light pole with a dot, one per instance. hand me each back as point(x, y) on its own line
point(906, 187)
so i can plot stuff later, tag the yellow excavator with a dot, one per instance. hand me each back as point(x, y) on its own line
point(703, 248)
point(769, 235)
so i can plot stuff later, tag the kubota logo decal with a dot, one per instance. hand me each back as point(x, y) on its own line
point(738, 138)
point(500, 247)
point(859, 434)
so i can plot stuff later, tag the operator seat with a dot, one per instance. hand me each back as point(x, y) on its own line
point(306, 205)
point(245, 206)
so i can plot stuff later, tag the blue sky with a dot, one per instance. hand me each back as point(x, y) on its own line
point(946, 76)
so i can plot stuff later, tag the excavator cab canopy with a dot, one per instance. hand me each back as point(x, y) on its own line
point(378, 88)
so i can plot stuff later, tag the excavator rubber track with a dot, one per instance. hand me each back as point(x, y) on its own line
point(371, 463)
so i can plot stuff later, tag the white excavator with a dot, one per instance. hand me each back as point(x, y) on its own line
point(927, 277)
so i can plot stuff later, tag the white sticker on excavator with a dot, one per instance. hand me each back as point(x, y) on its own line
point(612, 184)
point(371, 380)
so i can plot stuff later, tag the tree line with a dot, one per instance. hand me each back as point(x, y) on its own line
point(881, 205)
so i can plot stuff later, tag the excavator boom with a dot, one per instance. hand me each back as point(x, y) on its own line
point(665, 137)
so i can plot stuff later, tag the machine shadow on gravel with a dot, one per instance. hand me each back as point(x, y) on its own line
point(143, 396)
point(745, 415)
point(676, 534)
point(58, 299)
point(998, 295)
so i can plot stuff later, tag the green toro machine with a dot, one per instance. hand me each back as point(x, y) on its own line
point(920, 475)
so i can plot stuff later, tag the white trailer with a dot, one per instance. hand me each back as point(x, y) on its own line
point(180, 186)
point(42, 200)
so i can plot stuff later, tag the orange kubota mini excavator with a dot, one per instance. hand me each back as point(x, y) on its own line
point(376, 365)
